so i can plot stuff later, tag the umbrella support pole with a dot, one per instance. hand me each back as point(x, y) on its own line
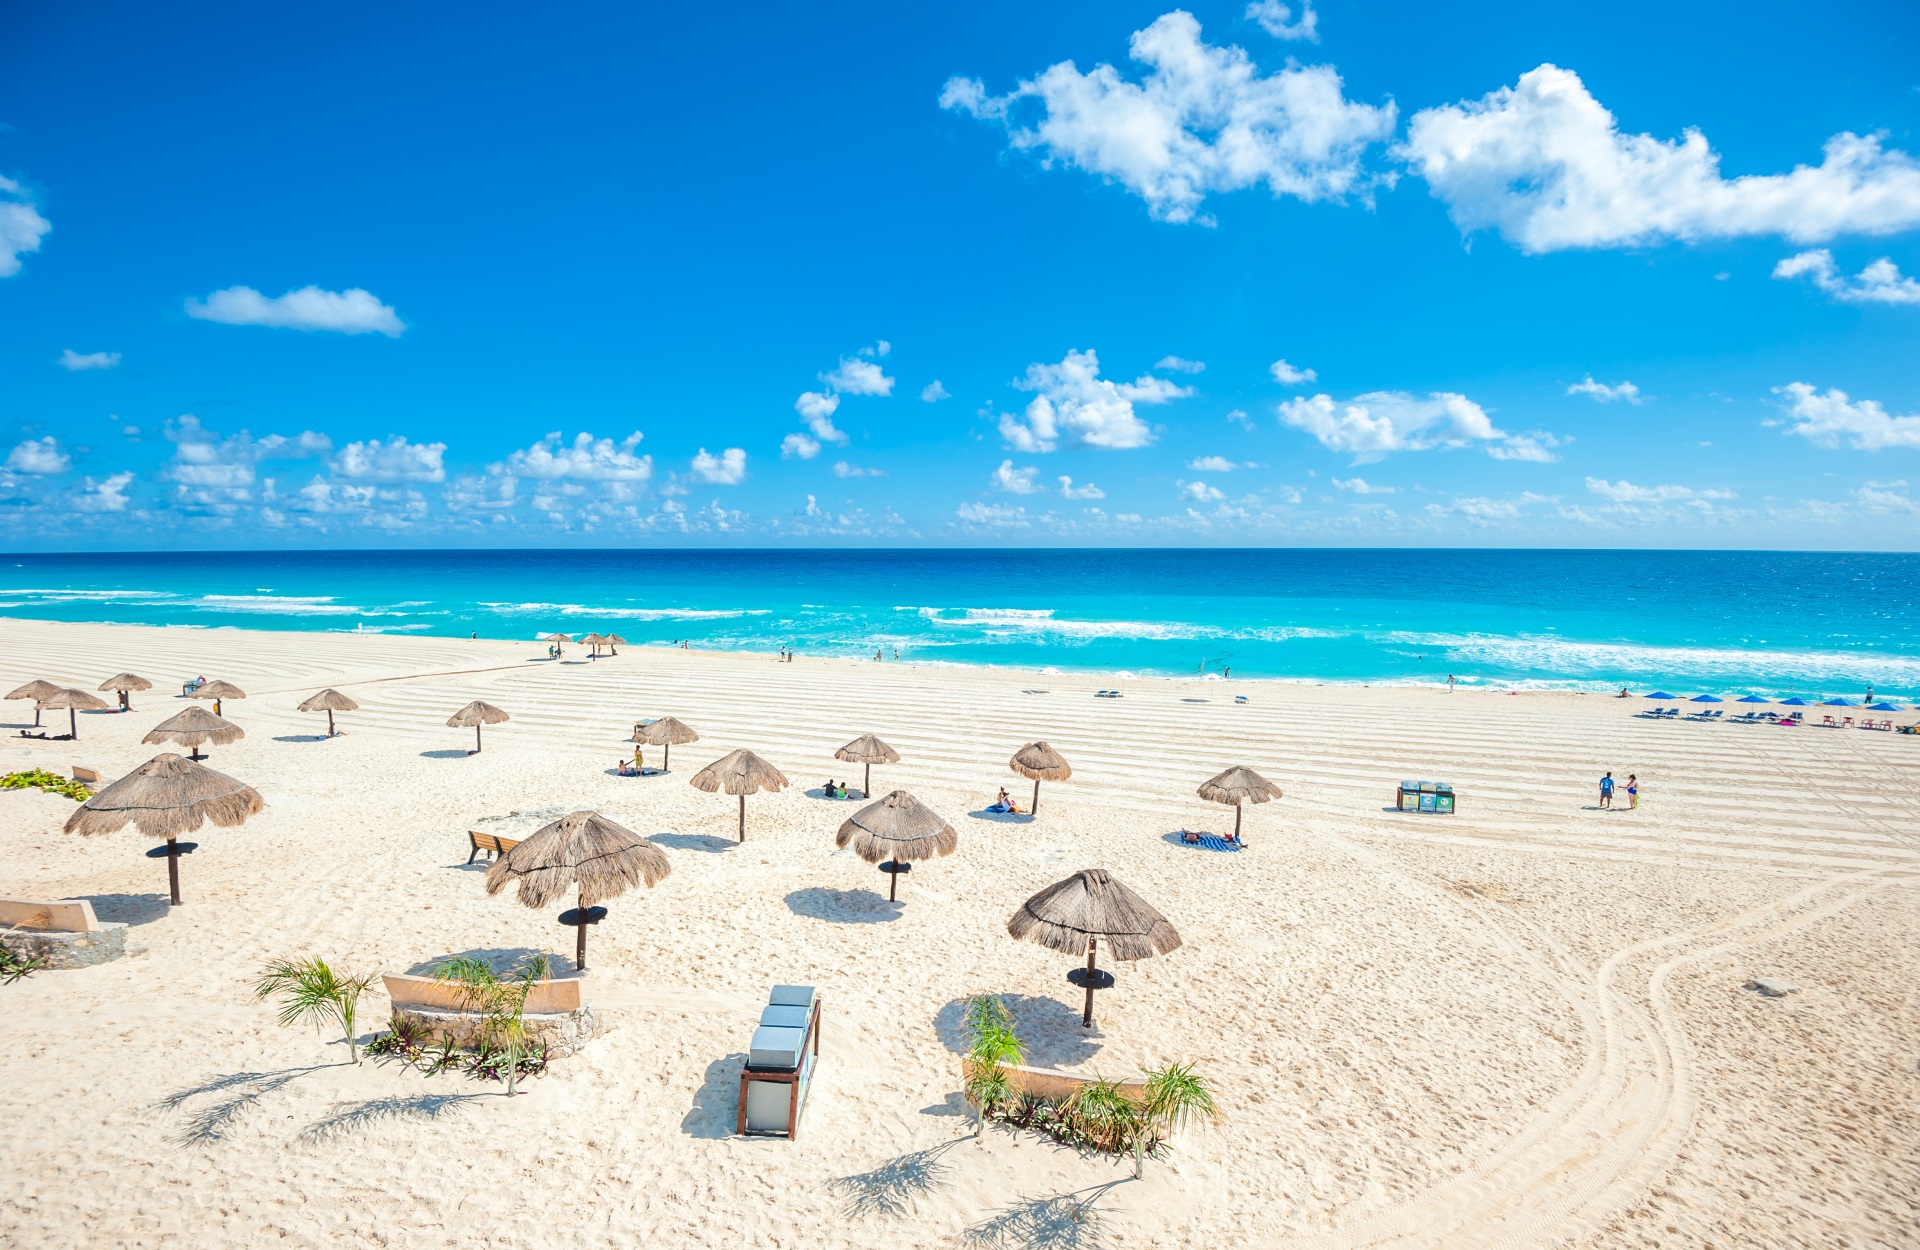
point(1036, 811)
point(73, 724)
point(866, 782)
point(580, 940)
point(476, 739)
point(1086, 1017)
point(743, 818)
point(329, 722)
point(173, 871)
point(1238, 812)
point(666, 758)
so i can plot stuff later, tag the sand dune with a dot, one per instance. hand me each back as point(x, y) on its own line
point(1522, 1025)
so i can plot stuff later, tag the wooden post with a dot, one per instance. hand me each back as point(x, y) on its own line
point(743, 818)
point(1086, 1017)
point(666, 757)
point(866, 783)
point(1238, 811)
point(329, 722)
point(1036, 796)
point(173, 870)
point(73, 724)
point(476, 739)
point(580, 942)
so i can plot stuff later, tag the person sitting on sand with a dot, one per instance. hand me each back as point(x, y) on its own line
point(1004, 803)
point(826, 791)
point(627, 768)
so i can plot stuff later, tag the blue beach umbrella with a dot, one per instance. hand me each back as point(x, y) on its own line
point(1750, 698)
point(1661, 694)
point(1707, 698)
point(1795, 701)
point(1838, 703)
point(1884, 706)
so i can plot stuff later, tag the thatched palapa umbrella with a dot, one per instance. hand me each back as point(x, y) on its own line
point(329, 701)
point(218, 691)
point(901, 826)
point(559, 642)
point(1042, 763)
point(1239, 786)
point(1075, 915)
point(477, 714)
point(124, 684)
point(75, 701)
point(584, 849)
point(666, 733)
point(193, 727)
point(614, 643)
point(164, 798)
point(867, 750)
point(596, 641)
point(740, 772)
point(35, 690)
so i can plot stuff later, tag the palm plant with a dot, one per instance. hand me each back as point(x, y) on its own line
point(1176, 1096)
point(501, 1003)
point(1108, 1118)
point(992, 1049)
point(308, 988)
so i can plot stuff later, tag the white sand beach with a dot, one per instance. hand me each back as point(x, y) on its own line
point(1525, 1024)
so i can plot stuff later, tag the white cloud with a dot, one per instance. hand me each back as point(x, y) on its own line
point(843, 469)
point(21, 227)
point(1605, 394)
point(1277, 20)
point(1287, 375)
point(1374, 424)
point(396, 460)
point(1360, 486)
point(1211, 464)
point(1239, 416)
point(1625, 492)
point(1075, 401)
point(1069, 491)
point(310, 308)
point(1202, 120)
point(817, 410)
point(1829, 418)
point(855, 376)
point(1016, 481)
point(729, 468)
point(76, 362)
point(933, 392)
point(587, 459)
point(799, 445)
point(999, 514)
point(1176, 364)
point(37, 456)
point(1200, 492)
point(215, 475)
point(1883, 497)
point(494, 493)
point(106, 496)
point(1533, 446)
point(1546, 165)
point(1879, 283)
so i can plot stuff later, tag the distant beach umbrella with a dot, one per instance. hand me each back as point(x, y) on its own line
point(1796, 701)
point(477, 714)
point(75, 701)
point(1074, 916)
point(1239, 786)
point(1884, 706)
point(1661, 694)
point(163, 798)
point(1751, 698)
point(1042, 763)
point(900, 830)
point(595, 641)
point(739, 772)
point(193, 727)
point(867, 750)
point(599, 857)
point(35, 690)
point(329, 701)
point(559, 641)
point(614, 643)
point(219, 692)
point(665, 733)
point(124, 684)
point(1707, 698)
point(1838, 703)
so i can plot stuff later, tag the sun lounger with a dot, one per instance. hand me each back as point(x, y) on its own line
point(492, 843)
point(85, 775)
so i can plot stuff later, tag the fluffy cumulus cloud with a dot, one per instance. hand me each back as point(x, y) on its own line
point(1361, 486)
point(843, 469)
point(1016, 481)
point(587, 459)
point(1074, 402)
point(1288, 375)
point(933, 392)
point(857, 376)
point(1602, 393)
point(352, 311)
point(1084, 491)
point(21, 226)
point(799, 446)
point(1177, 364)
point(1547, 166)
point(1625, 492)
point(215, 475)
point(1202, 119)
point(108, 495)
point(37, 456)
point(816, 408)
point(1832, 418)
point(1211, 464)
point(1879, 283)
point(729, 468)
point(1372, 425)
point(995, 514)
point(1200, 492)
point(1278, 20)
point(80, 362)
point(395, 460)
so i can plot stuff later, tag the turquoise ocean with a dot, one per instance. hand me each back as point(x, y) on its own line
point(1775, 624)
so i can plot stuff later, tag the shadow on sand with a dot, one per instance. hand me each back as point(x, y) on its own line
point(1051, 1030)
point(716, 1103)
point(891, 1189)
point(819, 902)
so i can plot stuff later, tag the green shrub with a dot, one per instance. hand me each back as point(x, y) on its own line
point(53, 783)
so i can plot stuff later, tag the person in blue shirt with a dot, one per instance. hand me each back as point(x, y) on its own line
point(1606, 791)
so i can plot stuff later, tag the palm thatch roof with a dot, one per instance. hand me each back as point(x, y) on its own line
point(665, 732)
point(590, 639)
point(218, 690)
point(165, 797)
point(477, 713)
point(867, 749)
point(1040, 762)
point(126, 681)
point(616, 640)
point(1090, 904)
point(195, 727)
point(556, 638)
point(898, 827)
point(329, 700)
point(35, 690)
point(604, 858)
point(740, 772)
point(1239, 785)
point(79, 700)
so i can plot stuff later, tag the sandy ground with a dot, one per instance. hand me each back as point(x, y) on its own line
point(1523, 1025)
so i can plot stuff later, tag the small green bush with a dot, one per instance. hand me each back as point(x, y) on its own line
point(13, 967)
point(53, 783)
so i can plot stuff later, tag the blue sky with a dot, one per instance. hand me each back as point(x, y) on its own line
point(1077, 274)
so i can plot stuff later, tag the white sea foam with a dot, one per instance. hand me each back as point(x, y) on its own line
point(1589, 660)
point(69, 596)
point(280, 605)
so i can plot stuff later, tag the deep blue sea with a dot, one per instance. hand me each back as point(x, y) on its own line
point(1726, 622)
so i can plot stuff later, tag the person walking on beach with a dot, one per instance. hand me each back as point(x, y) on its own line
point(1449, 683)
point(1633, 793)
point(1606, 792)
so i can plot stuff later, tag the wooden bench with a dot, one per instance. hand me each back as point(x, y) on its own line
point(1058, 1086)
point(73, 915)
point(547, 997)
point(89, 775)
point(492, 843)
point(60, 933)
